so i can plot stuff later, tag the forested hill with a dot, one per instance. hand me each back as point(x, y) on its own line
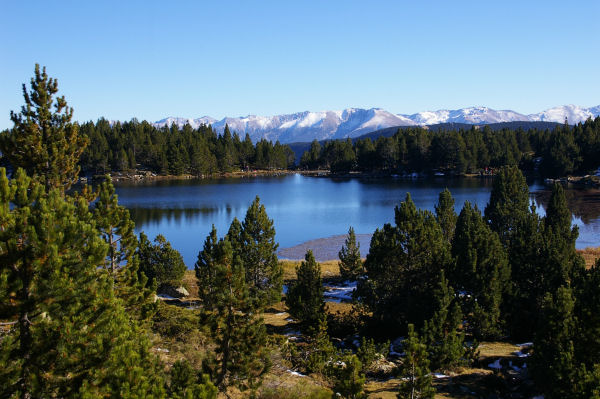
point(448, 126)
point(300, 148)
point(120, 147)
point(555, 150)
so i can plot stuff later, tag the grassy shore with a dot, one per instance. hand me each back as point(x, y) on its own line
point(590, 255)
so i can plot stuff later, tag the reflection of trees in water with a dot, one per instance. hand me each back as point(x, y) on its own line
point(583, 203)
point(146, 216)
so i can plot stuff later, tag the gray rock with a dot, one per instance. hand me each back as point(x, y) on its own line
point(179, 292)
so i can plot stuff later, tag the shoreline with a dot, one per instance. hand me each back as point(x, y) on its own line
point(587, 181)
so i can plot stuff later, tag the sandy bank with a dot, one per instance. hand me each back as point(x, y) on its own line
point(324, 248)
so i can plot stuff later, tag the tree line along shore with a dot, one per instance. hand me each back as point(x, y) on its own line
point(140, 150)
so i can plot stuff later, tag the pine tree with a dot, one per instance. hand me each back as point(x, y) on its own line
point(117, 230)
point(43, 140)
point(351, 267)
point(563, 263)
point(441, 333)
point(319, 353)
point(553, 363)
point(509, 203)
point(234, 236)
point(187, 384)
point(527, 264)
point(587, 312)
point(349, 381)
point(241, 356)
point(304, 298)
point(445, 215)
point(160, 263)
point(72, 337)
point(264, 274)
point(414, 371)
point(481, 270)
point(403, 267)
point(206, 269)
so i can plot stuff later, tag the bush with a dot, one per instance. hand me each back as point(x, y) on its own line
point(174, 322)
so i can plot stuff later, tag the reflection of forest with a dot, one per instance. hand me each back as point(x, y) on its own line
point(145, 216)
point(583, 203)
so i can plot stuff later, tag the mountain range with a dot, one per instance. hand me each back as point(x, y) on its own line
point(353, 122)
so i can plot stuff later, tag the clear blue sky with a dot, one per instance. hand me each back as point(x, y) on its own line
point(152, 59)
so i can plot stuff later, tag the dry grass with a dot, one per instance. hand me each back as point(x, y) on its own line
point(497, 349)
point(190, 283)
point(335, 307)
point(590, 255)
point(329, 269)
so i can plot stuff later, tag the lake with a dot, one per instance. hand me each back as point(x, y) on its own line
point(308, 208)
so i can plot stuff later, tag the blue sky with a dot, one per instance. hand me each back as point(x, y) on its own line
point(152, 59)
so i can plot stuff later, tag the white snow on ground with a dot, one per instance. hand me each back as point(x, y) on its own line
point(297, 374)
point(339, 293)
point(496, 365)
point(523, 345)
point(439, 375)
point(163, 296)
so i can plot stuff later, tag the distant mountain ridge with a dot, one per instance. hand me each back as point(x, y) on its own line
point(353, 122)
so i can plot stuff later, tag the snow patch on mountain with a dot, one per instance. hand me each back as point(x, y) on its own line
point(473, 115)
point(353, 122)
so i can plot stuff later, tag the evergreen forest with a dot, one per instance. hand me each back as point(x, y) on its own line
point(80, 318)
point(564, 150)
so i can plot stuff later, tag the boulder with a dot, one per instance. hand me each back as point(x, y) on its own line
point(173, 292)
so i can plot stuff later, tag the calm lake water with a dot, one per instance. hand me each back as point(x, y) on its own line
point(307, 208)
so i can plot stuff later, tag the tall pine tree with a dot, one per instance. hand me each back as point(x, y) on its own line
point(117, 230)
point(43, 140)
point(304, 297)
point(351, 266)
point(445, 214)
point(414, 371)
point(509, 203)
point(206, 267)
point(258, 253)
point(241, 357)
point(403, 267)
point(481, 271)
point(441, 334)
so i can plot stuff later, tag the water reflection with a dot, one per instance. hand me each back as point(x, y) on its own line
point(150, 216)
point(583, 203)
point(306, 208)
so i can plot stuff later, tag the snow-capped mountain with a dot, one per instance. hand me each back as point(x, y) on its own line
point(195, 123)
point(573, 114)
point(353, 122)
point(302, 126)
point(473, 115)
